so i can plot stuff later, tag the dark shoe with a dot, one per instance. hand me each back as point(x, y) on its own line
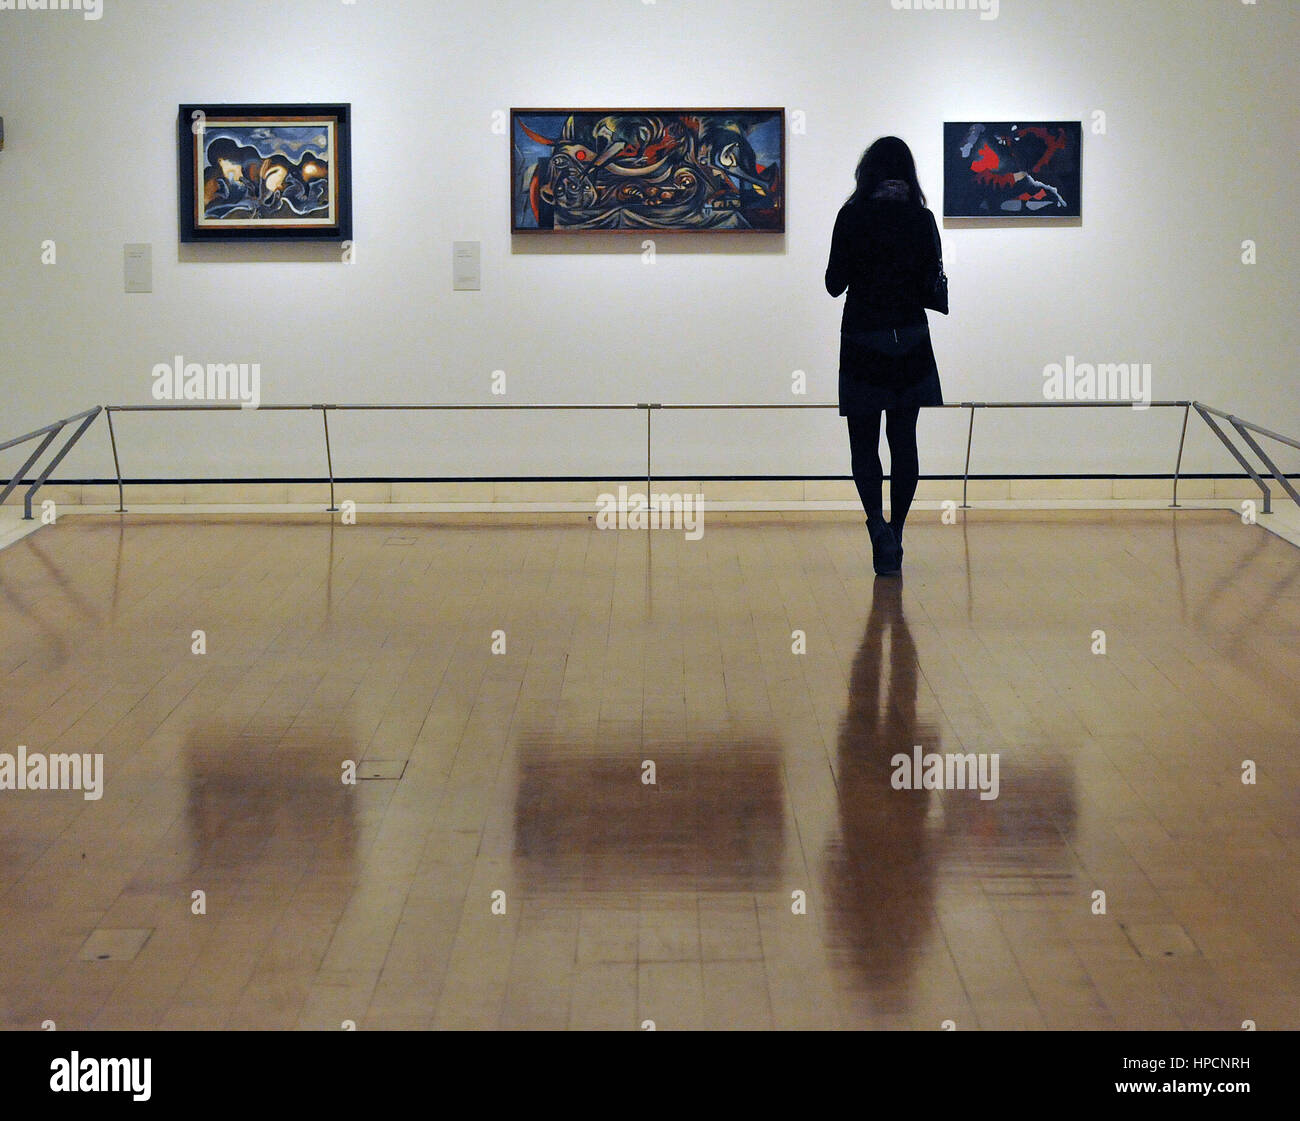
point(898, 540)
point(886, 556)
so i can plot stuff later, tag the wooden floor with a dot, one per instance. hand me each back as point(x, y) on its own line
point(521, 772)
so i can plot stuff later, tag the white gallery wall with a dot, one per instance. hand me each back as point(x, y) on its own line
point(1198, 155)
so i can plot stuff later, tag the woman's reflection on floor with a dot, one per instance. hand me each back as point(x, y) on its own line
point(896, 846)
point(880, 872)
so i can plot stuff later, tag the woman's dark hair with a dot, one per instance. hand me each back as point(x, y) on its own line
point(888, 158)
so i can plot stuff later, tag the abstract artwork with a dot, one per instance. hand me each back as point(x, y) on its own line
point(647, 169)
point(1010, 169)
point(255, 172)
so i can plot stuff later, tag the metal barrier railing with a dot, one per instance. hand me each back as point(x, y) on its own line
point(648, 408)
point(325, 410)
point(1244, 429)
point(51, 433)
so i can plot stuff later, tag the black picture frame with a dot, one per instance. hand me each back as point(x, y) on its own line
point(759, 192)
point(1015, 170)
point(266, 185)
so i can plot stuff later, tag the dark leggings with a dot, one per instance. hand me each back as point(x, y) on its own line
point(904, 465)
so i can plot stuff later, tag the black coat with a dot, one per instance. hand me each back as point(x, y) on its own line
point(886, 254)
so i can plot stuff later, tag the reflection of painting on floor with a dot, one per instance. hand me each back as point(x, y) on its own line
point(713, 819)
point(1011, 169)
point(649, 170)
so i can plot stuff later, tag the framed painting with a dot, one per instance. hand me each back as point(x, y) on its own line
point(640, 170)
point(265, 172)
point(1012, 169)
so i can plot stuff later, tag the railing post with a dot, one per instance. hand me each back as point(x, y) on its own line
point(117, 466)
point(329, 457)
point(965, 479)
point(647, 406)
point(1178, 465)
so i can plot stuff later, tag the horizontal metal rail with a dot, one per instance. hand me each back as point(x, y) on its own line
point(210, 407)
point(174, 407)
point(1239, 423)
point(58, 424)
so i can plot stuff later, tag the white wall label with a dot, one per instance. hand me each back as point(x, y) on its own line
point(465, 272)
point(137, 267)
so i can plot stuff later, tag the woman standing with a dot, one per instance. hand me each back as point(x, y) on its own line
point(886, 252)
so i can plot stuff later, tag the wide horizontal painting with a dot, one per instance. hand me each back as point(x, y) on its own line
point(1011, 169)
point(264, 172)
point(647, 169)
